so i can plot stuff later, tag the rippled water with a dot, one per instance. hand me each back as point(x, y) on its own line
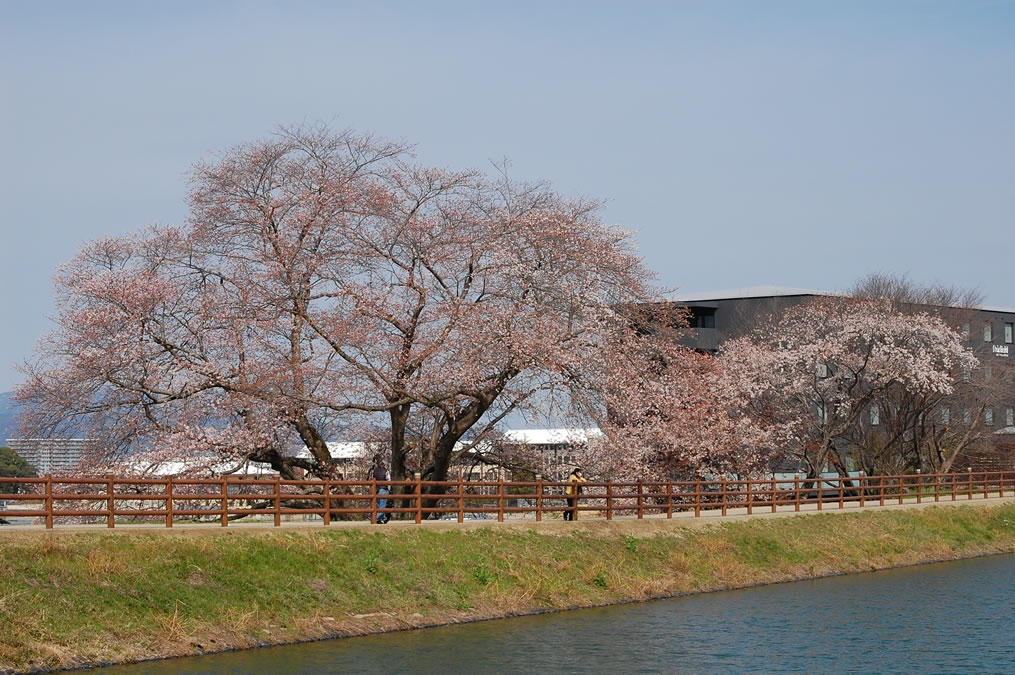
point(945, 618)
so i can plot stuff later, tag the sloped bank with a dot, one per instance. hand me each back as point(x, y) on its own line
point(89, 598)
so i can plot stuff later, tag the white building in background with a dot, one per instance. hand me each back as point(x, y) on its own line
point(553, 449)
point(344, 454)
point(51, 455)
point(557, 448)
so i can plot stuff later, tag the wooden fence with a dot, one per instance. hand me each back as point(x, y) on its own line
point(170, 500)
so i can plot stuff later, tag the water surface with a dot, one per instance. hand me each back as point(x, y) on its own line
point(945, 618)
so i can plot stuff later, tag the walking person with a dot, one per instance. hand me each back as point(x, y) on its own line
point(379, 472)
point(574, 488)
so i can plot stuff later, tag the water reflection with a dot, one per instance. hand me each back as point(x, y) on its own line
point(944, 618)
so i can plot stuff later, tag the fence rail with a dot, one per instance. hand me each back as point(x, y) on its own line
point(170, 500)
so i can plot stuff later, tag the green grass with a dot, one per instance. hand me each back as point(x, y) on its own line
point(80, 598)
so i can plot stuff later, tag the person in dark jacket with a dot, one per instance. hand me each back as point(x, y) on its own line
point(379, 472)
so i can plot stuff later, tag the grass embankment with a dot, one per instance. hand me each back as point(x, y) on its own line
point(84, 598)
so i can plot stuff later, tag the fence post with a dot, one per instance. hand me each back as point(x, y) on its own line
point(49, 501)
point(986, 481)
point(750, 497)
point(373, 501)
point(669, 497)
point(327, 502)
point(225, 502)
point(919, 486)
point(970, 472)
point(169, 502)
point(842, 490)
point(775, 497)
point(796, 492)
point(862, 486)
point(640, 493)
point(500, 498)
point(697, 497)
point(609, 499)
point(881, 489)
point(110, 502)
point(723, 488)
point(461, 498)
point(419, 497)
point(539, 497)
point(278, 500)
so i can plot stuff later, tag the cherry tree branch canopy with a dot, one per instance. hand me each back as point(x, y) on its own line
point(671, 412)
point(325, 284)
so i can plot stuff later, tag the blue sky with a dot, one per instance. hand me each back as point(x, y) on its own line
point(748, 143)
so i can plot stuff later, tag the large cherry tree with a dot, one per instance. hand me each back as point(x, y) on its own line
point(327, 286)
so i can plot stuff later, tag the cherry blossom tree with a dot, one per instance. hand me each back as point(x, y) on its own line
point(814, 375)
point(668, 411)
point(325, 284)
point(929, 430)
point(924, 430)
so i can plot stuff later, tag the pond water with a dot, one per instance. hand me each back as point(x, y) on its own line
point(943, 618)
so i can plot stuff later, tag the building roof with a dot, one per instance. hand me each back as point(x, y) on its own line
point(551, 436)
point(749, 292)
point(1001, 310)
point(341, 450)
point(782, 291)
point(207, 464)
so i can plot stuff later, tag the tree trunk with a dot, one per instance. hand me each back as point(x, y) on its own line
point(399, 417)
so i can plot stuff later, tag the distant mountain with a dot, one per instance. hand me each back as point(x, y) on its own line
point(8, 416)
point(9, 419)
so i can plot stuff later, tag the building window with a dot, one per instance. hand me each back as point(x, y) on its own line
point(987, 372)
point(822, 370)
point(1008, 328)
point(988, 334)
point(946, 415)
point(702, 317)
point(966, 416)
point(965, 330)
point(965, 374)
point(875, 416)
point(988, 416)
point(1009, 417)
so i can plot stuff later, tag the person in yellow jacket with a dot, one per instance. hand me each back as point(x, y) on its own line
point(574, 489)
